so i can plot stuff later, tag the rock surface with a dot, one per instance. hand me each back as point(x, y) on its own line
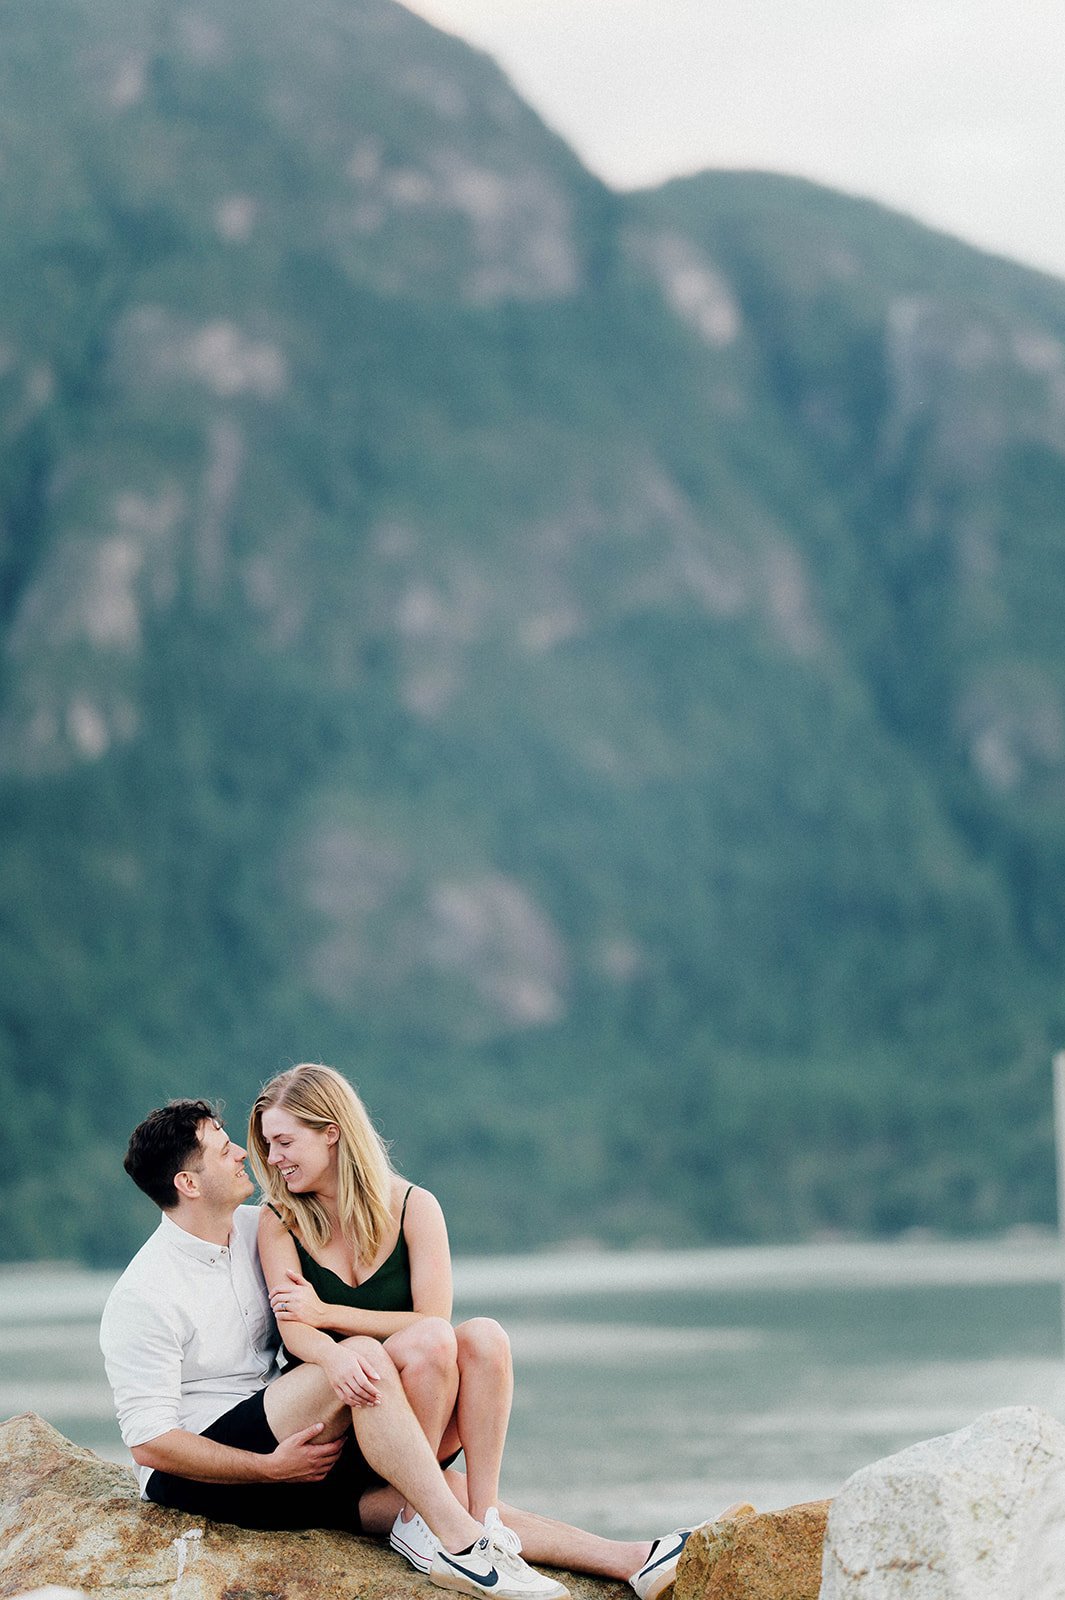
point(961, 1517)
point(53, 1592)
point(69, 1519)
point(775, 1555)
point(1040, 1571)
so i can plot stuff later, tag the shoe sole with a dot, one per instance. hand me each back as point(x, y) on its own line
point(419, 1562)
point(662, 1586)
point(455, 1581)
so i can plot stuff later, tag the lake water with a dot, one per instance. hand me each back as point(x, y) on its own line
point(654, 1389)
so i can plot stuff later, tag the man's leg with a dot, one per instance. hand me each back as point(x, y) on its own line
point(544, 1541)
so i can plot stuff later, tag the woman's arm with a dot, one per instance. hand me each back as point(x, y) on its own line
point(351, 1378)
point(430, 1256)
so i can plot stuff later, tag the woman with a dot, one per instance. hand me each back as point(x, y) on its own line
point(349, 1247)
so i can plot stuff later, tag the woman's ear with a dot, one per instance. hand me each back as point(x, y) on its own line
point(332, 1133)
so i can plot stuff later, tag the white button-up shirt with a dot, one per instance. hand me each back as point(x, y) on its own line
point(187, 1331)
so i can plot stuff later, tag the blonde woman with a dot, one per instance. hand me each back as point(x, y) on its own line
point(350, 1249)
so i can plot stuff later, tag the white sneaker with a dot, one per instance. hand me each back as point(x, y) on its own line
point(415, 1540)
point(494, 1567)
point(502, 1537)
point(659, 1571)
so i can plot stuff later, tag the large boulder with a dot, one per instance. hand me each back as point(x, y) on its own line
point(1040, 1573)
point(772, 1556)
point(71, 1520)
point(961, 1517)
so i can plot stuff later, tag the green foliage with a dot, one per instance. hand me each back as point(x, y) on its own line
point(589, 667)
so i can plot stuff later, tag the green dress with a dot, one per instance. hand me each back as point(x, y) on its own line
point(387, 1289)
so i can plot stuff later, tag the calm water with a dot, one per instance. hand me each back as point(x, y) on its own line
point(651, 1390)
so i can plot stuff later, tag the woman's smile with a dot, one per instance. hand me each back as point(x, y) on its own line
point(302, 1155)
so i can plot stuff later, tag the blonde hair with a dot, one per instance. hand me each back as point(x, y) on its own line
point(320, 1097)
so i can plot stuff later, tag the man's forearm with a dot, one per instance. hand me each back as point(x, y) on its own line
point(190, 1455)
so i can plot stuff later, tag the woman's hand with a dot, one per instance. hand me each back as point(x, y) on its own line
point(296, 1301)
point(352, 1378)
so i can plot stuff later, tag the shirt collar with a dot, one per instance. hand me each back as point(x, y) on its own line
point(200, 1249)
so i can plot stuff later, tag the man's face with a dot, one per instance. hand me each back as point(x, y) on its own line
point(221, 1179)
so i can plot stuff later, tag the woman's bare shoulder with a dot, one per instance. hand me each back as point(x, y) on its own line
point(270, 1224)
point(422, 1208)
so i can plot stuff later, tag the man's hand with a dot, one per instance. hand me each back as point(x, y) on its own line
point(300, 1459)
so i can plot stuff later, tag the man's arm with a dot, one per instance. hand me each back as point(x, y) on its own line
point(142, 1339)
point(301, 1458)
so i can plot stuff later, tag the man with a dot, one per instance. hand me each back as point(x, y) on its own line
point(217, 1429)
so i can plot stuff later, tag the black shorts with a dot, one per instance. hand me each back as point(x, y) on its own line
point(332, 1503)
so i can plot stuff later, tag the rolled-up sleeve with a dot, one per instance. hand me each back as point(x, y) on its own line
point(142, 1345)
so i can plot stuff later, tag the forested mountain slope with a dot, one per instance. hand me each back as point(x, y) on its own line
point(589, 666)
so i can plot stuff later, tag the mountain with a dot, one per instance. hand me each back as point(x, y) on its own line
point(588, 666)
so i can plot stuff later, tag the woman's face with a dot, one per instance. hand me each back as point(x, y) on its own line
point(304, 1156)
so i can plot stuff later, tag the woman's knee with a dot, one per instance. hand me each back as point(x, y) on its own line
point(485, 1341)
point(430, 1342)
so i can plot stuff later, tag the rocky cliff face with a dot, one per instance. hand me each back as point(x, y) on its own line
point(513, 640)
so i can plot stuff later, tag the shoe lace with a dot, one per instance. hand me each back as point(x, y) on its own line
point(503, 1541)
point(418, 1523)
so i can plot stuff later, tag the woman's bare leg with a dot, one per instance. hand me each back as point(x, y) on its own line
point(486, 1392)
point(425, 1356)
point(460, 1384)
point(389, 1436)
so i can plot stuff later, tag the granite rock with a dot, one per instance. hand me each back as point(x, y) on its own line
point(1040, 1570)
point(954, 1518)
point(52, 1592)
point(70, 1520)
point(769, 1555)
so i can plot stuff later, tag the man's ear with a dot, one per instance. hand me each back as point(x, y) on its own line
point(186, 1185)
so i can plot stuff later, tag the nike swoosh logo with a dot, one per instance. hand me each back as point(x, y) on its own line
point(677, 1548)
point(487, 1580)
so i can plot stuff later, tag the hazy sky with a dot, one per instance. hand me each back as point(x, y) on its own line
point(948, 109)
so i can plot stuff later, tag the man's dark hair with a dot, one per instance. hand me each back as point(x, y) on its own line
point(164, 1144)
